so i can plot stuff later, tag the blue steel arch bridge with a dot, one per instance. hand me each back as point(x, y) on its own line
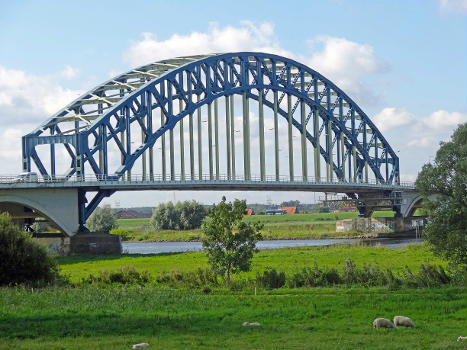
point(231, 121)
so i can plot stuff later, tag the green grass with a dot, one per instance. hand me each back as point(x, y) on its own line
point(297, 226)
point(288, 260)
point(115, 317)
point(319, 318)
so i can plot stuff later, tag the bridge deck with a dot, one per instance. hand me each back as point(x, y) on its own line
point(138, 183)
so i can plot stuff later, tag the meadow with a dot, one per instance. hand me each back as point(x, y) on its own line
point(318, 318)
point(297, 226)
point(288, 260)
point(78, 315)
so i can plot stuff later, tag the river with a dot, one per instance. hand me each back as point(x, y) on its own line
point(178, 247)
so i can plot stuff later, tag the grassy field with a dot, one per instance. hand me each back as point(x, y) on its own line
point(288, 260)
point(319, 318)
point(80, 316)
point(298, 226)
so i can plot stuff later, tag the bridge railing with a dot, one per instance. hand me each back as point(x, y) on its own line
point(159, 178)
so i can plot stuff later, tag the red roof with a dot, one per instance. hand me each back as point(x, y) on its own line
point(290, 210)
point(249, 212)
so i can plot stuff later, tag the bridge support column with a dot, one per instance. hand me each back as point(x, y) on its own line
point(211, 171)
point(200, 145)
point(182, 145)
point(261, 135)
point(192, 147)
point(246, 137)
point(303, 138)
point(227, 137)
point(289, 119)
point(276, 138)
point(216, 137)
point(317, 146)
point(163, 146)
point(232, 134)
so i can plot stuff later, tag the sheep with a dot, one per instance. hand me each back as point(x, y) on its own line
point(140, 346)
point(461, 338)
point(382, 323)
point(403, 321)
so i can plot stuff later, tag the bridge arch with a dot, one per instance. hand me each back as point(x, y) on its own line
point(60, 207)
point(340, 132)
point(110, 128)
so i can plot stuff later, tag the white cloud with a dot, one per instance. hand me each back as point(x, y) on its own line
point(390, 118)
point(346, 63)
point(246, 37)
point(342, 58)
point(69, 72)
point(453, 5)
point(26, 98)
point(438, 126)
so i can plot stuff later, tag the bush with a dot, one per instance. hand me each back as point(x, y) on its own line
point(102, 220)
point(270, 279)
point(315, 277)
point(122, 275)
point(371, 275)
point(188, 279)
point(22, 259)
point(125, 234)
point(182, 216)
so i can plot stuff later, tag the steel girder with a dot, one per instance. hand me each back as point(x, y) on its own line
point(107, 112)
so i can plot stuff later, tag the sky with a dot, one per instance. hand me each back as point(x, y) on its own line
point(403, 62)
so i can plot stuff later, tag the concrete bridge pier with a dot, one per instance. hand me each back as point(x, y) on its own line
point(59, 206)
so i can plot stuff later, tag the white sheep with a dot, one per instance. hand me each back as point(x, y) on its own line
point(461, 338)
point(140, 346)
point(382, 323)
point(403, 321)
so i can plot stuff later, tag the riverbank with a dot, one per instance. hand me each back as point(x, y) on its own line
point(276, 227)
point(287, 260)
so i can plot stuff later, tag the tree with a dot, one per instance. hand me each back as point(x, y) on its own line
point(230, 242)
point(165, 217)
point(446, 178)
point(182, 216)
point(102, 220)
point(190, 214)
point(291, 203)
point(22, 259)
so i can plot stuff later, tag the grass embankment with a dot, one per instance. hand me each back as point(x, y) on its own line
point(297, 226)
point(288, 260)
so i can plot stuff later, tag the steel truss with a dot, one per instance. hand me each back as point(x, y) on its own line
point(339, 131)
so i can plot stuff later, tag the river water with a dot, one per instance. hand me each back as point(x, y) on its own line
point(178, 247)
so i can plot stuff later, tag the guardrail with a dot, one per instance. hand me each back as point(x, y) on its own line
point(141, 178)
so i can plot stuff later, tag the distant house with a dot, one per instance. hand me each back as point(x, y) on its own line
point(290, 210)
point(249, 211)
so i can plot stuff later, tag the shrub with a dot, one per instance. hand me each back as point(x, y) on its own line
point(198, 278)
point(102, 220)
point(270, 279)
point(314, 277)
point(22, 259)
point(125, 234)
point(122, 275)
point(182, 216)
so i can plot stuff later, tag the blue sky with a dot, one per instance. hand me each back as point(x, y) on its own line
point(404, 62)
